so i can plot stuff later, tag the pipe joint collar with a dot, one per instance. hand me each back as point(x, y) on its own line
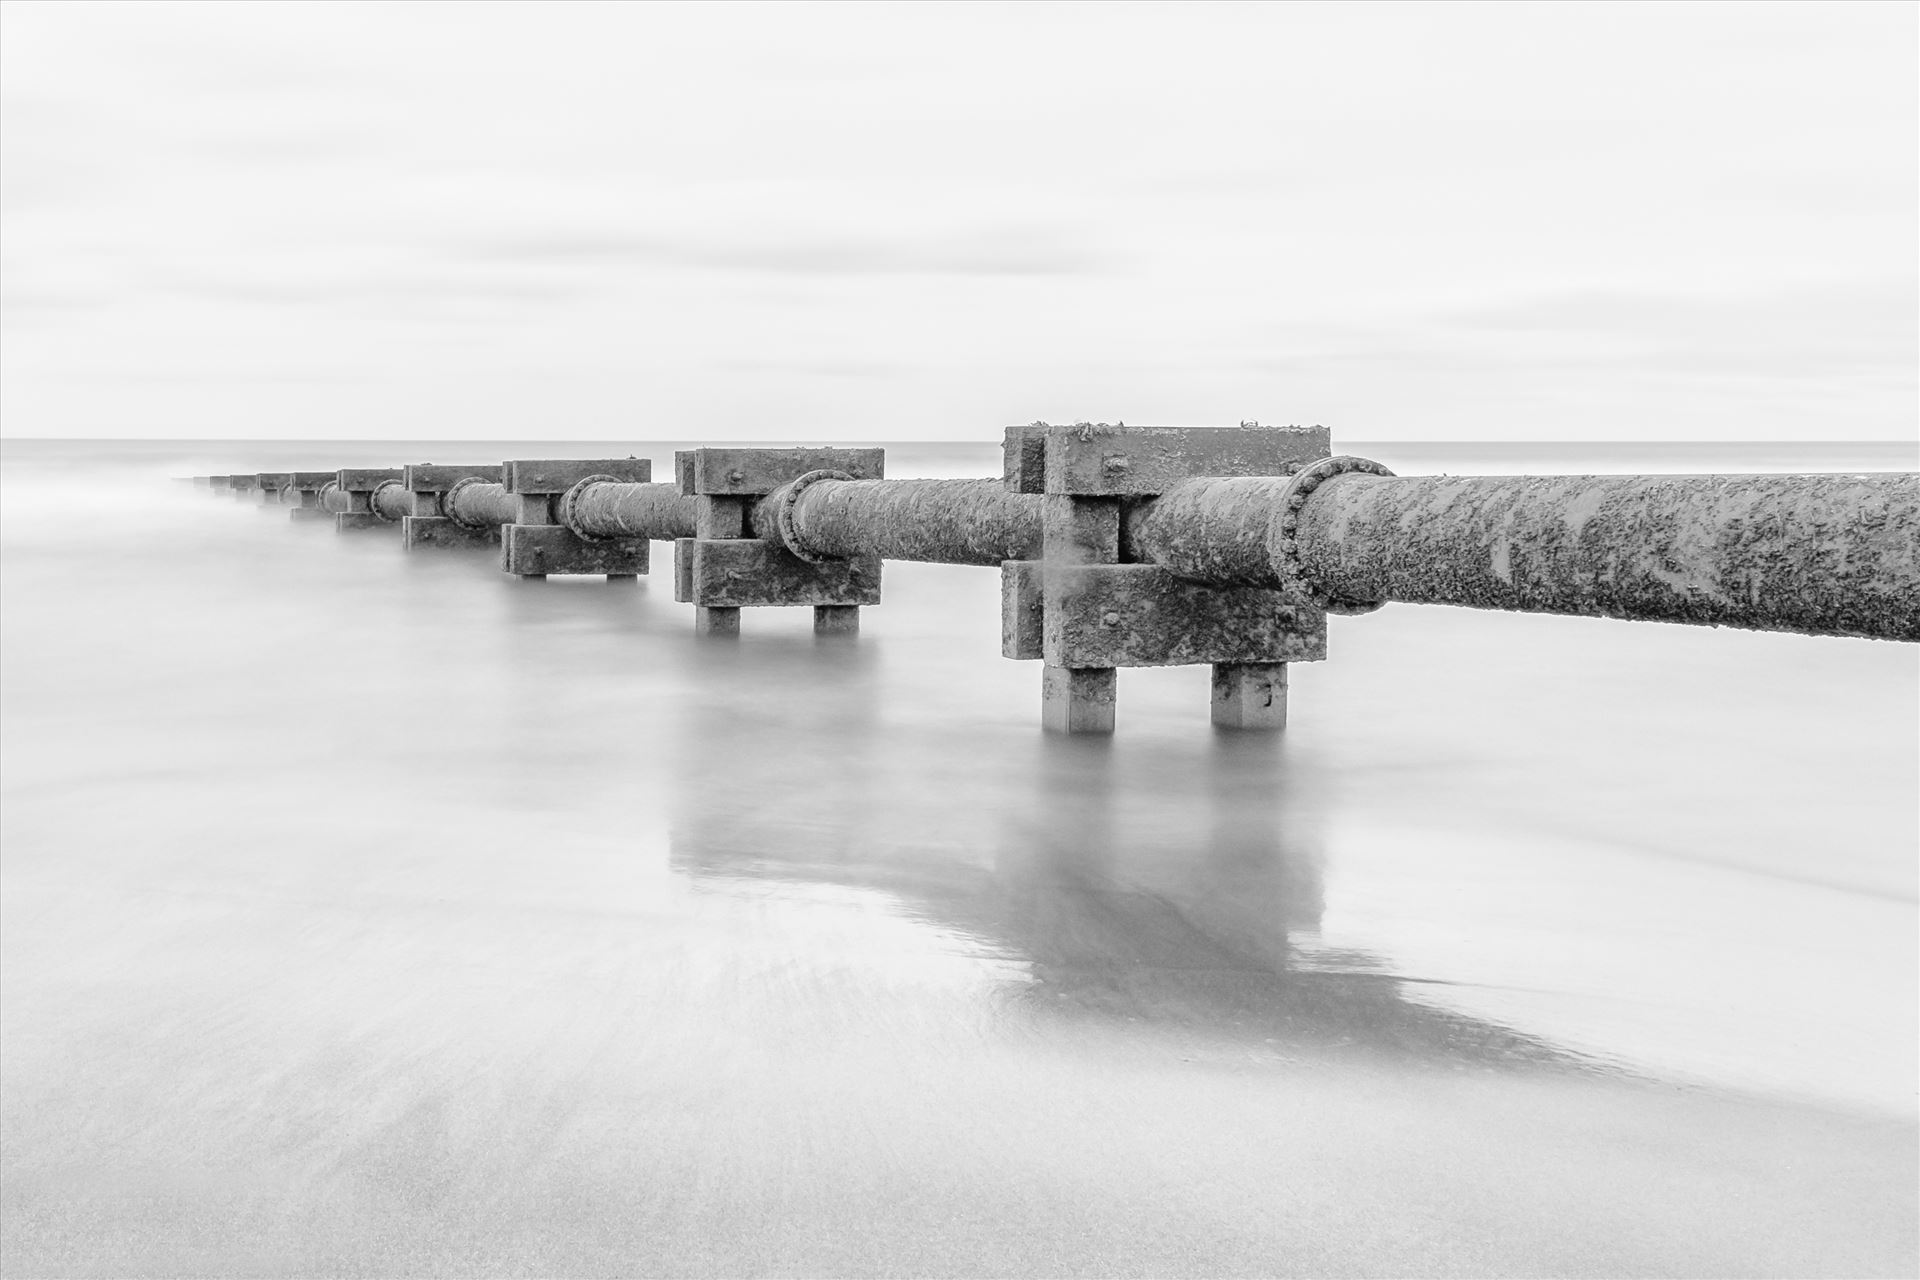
point(783, 507)
point(1283, 546)
point(568, 507)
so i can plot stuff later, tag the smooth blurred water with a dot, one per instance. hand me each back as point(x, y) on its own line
point(376, 914)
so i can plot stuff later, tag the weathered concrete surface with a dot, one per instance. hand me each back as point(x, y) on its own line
point(1022, 587)
point(1103, 460)
point(1821, 554)
point(431, 477)
point(753, 472)
point(524, 475)
point(535, 550)
point(1140, 615)
point(438, 531)
point(657, 511)
point(729, 573)
point(933, 521)
point(481, 505)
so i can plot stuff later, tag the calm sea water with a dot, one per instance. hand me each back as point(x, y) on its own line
point(376, 914)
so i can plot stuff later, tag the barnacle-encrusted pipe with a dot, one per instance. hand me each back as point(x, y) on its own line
point(1212, 530)
point(480, 504)
point(1824, 554)
point(939, 521)
point(614, 509)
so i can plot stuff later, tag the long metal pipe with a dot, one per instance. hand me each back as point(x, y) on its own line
point(478, 504)
point(613, 509)
point(937, 521)
point(390, 500)
point(1824, 554)
point(334, 498)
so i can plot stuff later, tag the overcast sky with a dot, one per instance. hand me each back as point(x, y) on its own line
point(896, 221)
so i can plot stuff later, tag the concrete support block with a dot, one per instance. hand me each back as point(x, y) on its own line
point(1250, 695)
point(429, 526)
point(1080, 530)
point(440, 532)
point(736, 572)
point(1021, 609)
point(1095, 459)
point(716, 620)
point(1085, 611)
point(725, 568)
point(754, 473)
point(536, 545)
point(717, 518)
point(836, 620)
point(1139, 615)
point(536, 550)
point(1077, 699)
point(351, 521)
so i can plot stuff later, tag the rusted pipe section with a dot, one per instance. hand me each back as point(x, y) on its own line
point(1211, 530)
point(611, 509)
point(937, 521)
point(477, 504)
point(1821, 554)
point(334, 498)
point(390, 500)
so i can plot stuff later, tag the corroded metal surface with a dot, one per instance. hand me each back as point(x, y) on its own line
point(1208, 530)
point(656, 511)
point(938, 521)
point(1823, 554)
point(333, 498)
point(392, 500)
point(477, 504)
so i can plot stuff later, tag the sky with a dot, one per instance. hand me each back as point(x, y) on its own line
point(825, 223)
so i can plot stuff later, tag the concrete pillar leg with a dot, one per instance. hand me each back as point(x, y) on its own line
point(623, 577)
point(1077, 699)
point(1250, 695)
point(715, 621)
point(836, 619)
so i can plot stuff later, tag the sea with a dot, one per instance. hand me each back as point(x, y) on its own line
point(366, 913)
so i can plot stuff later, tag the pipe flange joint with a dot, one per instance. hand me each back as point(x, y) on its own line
point(1283, 546)
point(320, 494)
point(783, 513)
point(448, 509)
point(373, 499)
point(570, 499)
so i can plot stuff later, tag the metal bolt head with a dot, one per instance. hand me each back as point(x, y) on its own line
point(1110, 619)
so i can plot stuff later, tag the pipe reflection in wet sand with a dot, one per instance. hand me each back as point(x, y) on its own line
point(1152, 887)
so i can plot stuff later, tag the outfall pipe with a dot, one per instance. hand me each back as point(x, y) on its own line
point(936, 521)
point(333, 498)
point(616, 509)
point(390, 500)
point(1827, 554)
point(480, 504)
